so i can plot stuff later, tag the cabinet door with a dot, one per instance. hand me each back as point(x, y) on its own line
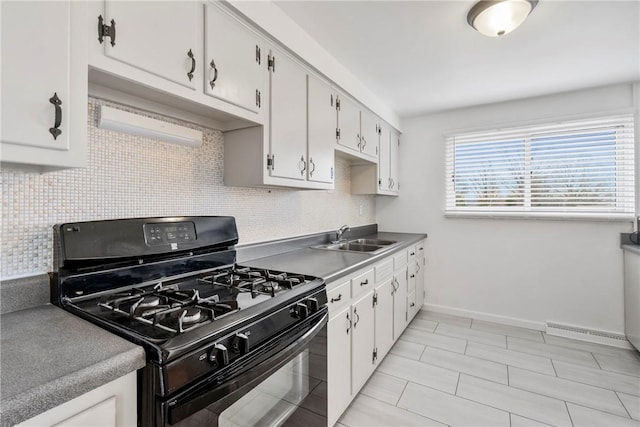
point(339, 363)
point(157, 37)
point(400, 303)
point(349, 123)
point(102, 414)
point(384, 318)
point(384, 159)
point(411, 306)
point(234, 58)
point(362, 341)
point(322, 134)
point(369, 136)
point(43, 114)
point(413, 272)
point(288, 117)
point(420, 285)
point(394, 162)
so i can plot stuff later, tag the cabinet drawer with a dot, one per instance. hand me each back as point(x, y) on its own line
point(412, 254)
point(362, 283)
point(384, 270)
point(339, 296)
point(400, 260)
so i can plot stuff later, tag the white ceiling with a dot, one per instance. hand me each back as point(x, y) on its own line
point(422, 56)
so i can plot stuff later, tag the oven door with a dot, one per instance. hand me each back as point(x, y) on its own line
point(283, 383)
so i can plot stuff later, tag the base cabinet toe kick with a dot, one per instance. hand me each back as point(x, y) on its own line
point(368, 311)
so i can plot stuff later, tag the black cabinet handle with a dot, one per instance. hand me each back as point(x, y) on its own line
point(314, 167)
point(337, 299)
point(302, 165)
point(55, 130)
point(349, 324)
point(366, 282)
point(193, 64)
point(215, 74)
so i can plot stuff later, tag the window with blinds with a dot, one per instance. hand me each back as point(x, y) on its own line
point(579, 168)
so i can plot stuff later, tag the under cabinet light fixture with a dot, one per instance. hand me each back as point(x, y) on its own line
point(135, 124)
point(496, 18)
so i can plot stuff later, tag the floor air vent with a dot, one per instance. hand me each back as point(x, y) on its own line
point(590, 335)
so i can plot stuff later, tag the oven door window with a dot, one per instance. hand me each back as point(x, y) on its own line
point(294, 395)
point(288, 389)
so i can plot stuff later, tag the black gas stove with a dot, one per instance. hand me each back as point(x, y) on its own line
point(212, 330)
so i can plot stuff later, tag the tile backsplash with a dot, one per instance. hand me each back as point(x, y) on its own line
point(131, 176)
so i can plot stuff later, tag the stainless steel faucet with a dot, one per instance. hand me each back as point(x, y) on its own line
point(341, 231)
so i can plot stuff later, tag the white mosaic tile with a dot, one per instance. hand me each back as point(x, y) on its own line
point(131, 176)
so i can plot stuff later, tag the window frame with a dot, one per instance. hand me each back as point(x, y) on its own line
point(624, 126)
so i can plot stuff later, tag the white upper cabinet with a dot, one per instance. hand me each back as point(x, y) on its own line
point(384, 172)
point(348, 123)
point(357, 130)
point(234, 60)
point(369, 134)
point(288, 116)
point(322, 137)
point(394, 162)
point(292, 150)
point(158, 37)
point(381, 178)
point(44, 91)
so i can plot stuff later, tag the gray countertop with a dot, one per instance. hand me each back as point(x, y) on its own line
point(632, 248)
point(330, 264)
point(50, 356)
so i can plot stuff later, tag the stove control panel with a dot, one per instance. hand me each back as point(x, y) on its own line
point(169, 233)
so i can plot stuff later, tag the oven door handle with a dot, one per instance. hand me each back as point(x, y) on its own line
point(220, 397)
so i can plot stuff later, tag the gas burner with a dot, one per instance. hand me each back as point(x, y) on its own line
point(191, 315)
point(149, 301)
point(270, 288)
point(153, 311)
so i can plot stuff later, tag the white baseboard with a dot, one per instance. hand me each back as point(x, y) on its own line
point(505, 320)
point(567, 331)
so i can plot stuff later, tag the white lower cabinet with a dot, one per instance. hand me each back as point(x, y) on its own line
point(421, 263)
point(338, 366)
point(368, 310)
point(110, 405)
point(400, 281)
point(384, 319)
point(362, 341)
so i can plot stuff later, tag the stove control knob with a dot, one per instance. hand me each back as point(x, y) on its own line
point(300, 310)
point(243, 343)
point(312, 303)
point(219, 356)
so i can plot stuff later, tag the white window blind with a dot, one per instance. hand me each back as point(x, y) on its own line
point(579, 168)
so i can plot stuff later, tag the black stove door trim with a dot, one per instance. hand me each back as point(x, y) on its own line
point(224, 395)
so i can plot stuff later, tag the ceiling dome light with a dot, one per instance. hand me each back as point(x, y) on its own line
point(497, 18)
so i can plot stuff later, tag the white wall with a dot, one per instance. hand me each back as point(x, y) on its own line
point(522, 272)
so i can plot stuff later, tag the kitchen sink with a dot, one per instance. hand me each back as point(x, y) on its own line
point(376, 242)
point(356, 247)
point(359, 245)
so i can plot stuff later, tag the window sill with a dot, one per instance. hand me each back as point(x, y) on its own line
point(549, 216)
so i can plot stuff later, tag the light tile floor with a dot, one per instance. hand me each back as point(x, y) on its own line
point(449, 370)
